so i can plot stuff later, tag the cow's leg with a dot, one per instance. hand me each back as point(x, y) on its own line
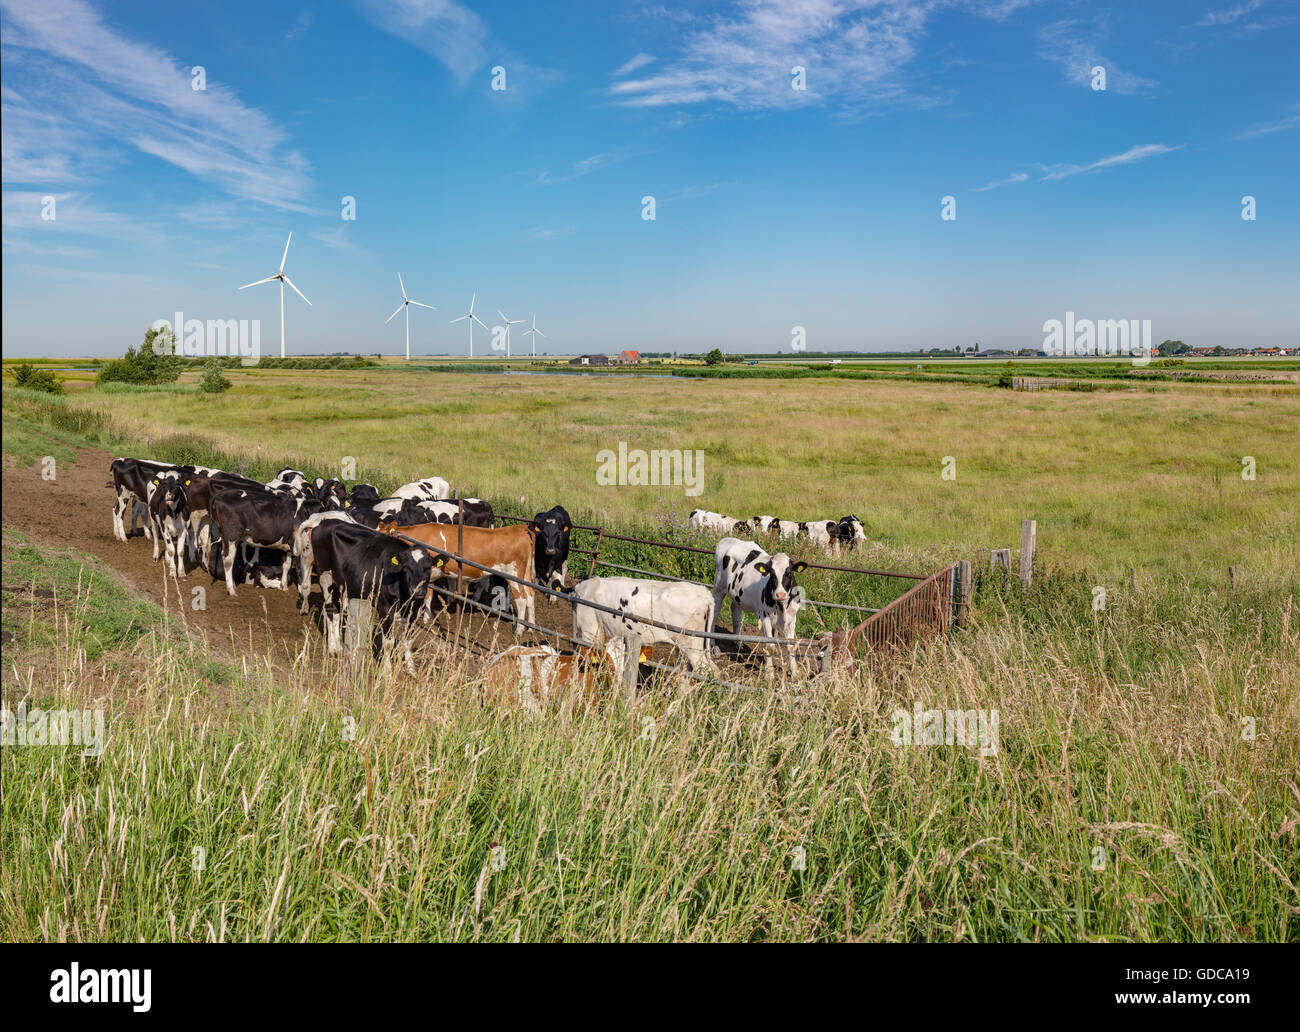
point(765, 629)
point(119, 510)
point(332, 610)
point(284, 570)
point(228, 561)
point(520, 606)
point(157, 535)
point(304, 578)
point(714, 644)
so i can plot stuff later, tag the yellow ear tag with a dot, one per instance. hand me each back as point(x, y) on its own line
point(394, 560)
point(645, 655)
point(187, 483)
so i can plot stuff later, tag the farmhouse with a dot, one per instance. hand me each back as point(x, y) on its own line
point(629, 357)
point(590, 360)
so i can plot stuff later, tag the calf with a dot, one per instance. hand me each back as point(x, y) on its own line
point(536, 676)
point(354, 562)
point(258, 518)
point(504, 549)
point(851, 532)
point(716, 523)
point(684, 605)
point(478, 513)
point(761, 584)
point(823, 533)
point(363, 494)
point(169, 515)
point(288, 479)
point(553, 529)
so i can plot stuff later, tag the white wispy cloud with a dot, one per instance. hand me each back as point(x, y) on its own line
point(586, 166)
point(444, 29)
point(547, 232)
point(1231, 14)
point(1281, 125)
point(851, 50)
point(1128, 157)
point(632, 64)
point(1077, 49)
point(1011, 180)
point(101, 91)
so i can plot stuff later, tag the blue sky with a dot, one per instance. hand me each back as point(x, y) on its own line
point(775, 207)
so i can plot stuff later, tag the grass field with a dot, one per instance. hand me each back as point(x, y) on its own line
point(1144, 786)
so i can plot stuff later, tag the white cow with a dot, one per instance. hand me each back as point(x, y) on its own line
point(688, 606)
point(758, 583)
point(716, 523)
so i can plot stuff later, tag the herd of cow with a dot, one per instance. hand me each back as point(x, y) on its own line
point(388, 551)
point(828, 534)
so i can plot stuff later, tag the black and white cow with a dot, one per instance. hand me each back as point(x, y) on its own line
point(130, 483)
point(433, 489)
point(822, 533)
point(355, 563)
point(851, 532)
point(288, 479)
point(169, 514)
point(364, 494)
point(302, 548)
point(261, 568)
point(716, 523)
point(758, 583)
point(264, 518)
point(551, 560)
point(775, 525)
point(200, 535)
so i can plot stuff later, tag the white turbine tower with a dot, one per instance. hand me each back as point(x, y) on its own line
point(509, 322)
point(405, 307)
point(283, 280)
point(534, 333)
point(472, 320)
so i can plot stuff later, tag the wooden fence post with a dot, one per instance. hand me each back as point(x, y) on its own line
point(1000, 557)
point(1028, 532)
point(631, 663)
point(1133, 577)
point(1232, 577)
point(964, 590)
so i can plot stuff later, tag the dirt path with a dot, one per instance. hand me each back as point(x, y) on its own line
point(74, 511)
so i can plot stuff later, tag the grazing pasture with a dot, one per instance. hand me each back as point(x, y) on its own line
point(1142, 785)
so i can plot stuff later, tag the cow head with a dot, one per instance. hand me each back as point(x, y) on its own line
point(742, 527)
point(781, 592)
point(850, 529)
point(364, 494)
point(169, 492)
point(553, 529)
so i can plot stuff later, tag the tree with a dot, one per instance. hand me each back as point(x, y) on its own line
point(714, 357)
point(155, 362)
point(1174, 347)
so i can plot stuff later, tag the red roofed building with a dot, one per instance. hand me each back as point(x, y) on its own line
point(629, 357)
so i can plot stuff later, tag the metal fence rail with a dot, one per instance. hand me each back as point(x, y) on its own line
point(924, 611)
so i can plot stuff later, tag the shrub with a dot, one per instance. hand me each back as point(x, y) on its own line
point(33, 379)
point(156, 361)
point(213, 380)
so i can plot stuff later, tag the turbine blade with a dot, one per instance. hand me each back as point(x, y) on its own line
point(461, 319)
point(268, 279)
point(296, 290)
point(403, 285)
point(399, 308)
point(539, 333)
point(433, 308)
point(504, 318)
point(286, 252)
point(480, 322)
point(472, 299)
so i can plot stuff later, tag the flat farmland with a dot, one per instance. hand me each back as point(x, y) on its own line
point(1147, 478)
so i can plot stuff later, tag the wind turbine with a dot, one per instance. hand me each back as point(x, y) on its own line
point(283, 280)
point(509, 322)
point(534, 333)
point(472, 320)
point(405, 307)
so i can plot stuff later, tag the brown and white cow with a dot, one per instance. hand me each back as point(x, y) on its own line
point(503, 549)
